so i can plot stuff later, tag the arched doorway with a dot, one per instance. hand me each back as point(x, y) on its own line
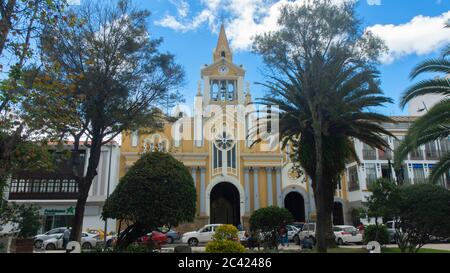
point(338, 213)
point(225, 204)
point(295, 203)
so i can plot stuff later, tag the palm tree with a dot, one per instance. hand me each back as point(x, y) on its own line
point(347, 92)
point(435, 124)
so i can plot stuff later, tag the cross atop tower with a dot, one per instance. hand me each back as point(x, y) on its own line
point(222, 50)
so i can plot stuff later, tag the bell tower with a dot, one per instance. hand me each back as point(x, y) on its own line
point(223, 80)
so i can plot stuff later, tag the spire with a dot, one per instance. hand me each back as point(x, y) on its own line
point(222, 49)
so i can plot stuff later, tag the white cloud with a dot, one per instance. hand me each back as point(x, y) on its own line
point(422, 35)
point(246, 18)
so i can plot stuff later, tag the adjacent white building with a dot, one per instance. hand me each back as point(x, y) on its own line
point(55, 192)
point(375, 164)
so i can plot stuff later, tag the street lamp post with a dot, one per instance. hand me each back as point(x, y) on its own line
point(107, 192)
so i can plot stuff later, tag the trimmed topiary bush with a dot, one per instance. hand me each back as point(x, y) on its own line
point(377, 233)
point(157, 190)
point(225, 240)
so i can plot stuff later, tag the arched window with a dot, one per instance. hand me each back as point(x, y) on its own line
point(156, 143)
point(222, 54)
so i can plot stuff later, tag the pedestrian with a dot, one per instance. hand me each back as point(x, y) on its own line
point(66, 237)
point(284, 235)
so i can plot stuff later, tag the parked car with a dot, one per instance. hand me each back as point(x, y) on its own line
point(205, 235)
point(347, 234)
point(391, 227)
point(308, 231)
point(157, 237)
point(88, 241)
point(292, 231)
point(173, 236)
point(53, 233)
point(298, 225)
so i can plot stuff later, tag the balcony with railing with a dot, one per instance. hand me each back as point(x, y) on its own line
point(416, 155)
point(385, 155)
point(43, 187)
point(369, 154)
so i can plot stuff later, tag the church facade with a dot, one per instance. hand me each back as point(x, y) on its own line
point(233, 176)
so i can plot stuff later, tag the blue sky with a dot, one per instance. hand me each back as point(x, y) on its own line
point(411, 28)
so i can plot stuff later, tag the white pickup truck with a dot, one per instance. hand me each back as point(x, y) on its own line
point(204, 235)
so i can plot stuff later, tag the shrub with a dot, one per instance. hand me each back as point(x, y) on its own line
point(268, 220)
point(423, 211)
point(225, 240)
point(377, 233)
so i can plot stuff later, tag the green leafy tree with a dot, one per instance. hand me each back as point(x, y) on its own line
point(225, 240)
point(423, 211)
point(435, 124)
point(322, 76)
point(157, 190)
point(101, 75)
point(382, 203)
point(21, 22)
point(24, 217)
point(267, 221)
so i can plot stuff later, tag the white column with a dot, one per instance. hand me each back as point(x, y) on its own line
point(247, 190)
point(255, 188)
point(269, 187)
point(193, 171)
point(202, 191)
point(279, 193)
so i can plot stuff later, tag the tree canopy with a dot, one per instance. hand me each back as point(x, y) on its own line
point(101, 74)
point(322, 76)
point(157, 190)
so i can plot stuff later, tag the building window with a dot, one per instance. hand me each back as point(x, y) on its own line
point(353, 184)
point(369, 153)
point(371, 174)
point(222, 54)
point(431, 151)
point(231, 158)
point(156, 143)
point(419, 173)
point(134, 138)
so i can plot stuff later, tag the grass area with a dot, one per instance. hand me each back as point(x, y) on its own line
point(422, 250)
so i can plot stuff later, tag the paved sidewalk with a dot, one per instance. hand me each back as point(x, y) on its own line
point(429, 246)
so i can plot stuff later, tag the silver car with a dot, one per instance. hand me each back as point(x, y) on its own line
point(88, 241)
point(53, 233)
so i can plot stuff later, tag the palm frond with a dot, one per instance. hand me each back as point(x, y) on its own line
point(435, 86)
point(433, 66)
point(441, 168)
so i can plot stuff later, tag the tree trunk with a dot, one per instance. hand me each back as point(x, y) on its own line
point(5, 23)
point(130, 235)
point(320, 187)
point(85, 186)
point(77, 226)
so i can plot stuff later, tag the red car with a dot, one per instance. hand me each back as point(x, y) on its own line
point(158, 237)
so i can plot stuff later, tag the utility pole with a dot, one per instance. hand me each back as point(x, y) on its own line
point(107, 192)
